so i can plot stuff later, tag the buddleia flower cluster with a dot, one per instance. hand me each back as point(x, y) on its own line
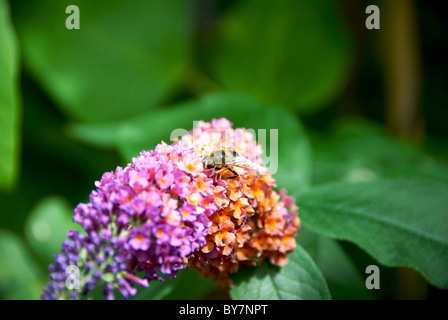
point(164, 212)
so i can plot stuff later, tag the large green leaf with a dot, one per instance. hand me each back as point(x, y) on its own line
point(123, 60)
point(146, 131)
point(297, 53)
point(300, 279)
point(400, 222)
point(19, 275)
point(9, 100)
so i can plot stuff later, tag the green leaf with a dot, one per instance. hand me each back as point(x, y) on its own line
point(356, 150)
point(190, 286)
point(47, 226)
point(122, 61)
point(300, 279)
point(96, 134)
point(297, 53)
point(157, 290)
point(400, 222)
point(19, 274)
point(343, 278)
point(9, 100)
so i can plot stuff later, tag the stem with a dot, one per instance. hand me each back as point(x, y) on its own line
point(402, 69)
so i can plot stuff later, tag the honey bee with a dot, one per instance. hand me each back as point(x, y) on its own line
point(223, 158)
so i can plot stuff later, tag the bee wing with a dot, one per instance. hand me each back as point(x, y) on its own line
point(242, 162)
point(224, 142)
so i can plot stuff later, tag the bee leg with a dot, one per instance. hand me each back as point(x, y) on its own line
point(236, 175)
point(219, 173)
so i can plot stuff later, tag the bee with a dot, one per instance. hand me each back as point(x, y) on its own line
point(223, 158)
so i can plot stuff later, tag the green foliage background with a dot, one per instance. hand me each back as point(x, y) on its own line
point(361, 117)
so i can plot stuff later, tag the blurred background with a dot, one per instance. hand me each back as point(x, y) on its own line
point(76, 103)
